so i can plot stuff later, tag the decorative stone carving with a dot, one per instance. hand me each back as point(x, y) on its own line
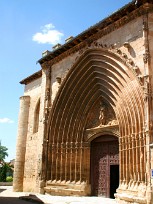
point(99, 91)
point(102, 116)
point(99, 34)
point(146, 57)
point(112, 129)
point(101, 119)
point(58, 79)
point(113, 122)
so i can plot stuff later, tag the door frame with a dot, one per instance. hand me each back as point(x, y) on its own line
point(103, 140)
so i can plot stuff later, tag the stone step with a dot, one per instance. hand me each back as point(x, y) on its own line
point(63, 190)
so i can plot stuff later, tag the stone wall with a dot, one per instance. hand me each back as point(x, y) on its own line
point(131, 33)
point(30, 170)
point(60, 69)
point(21, 143)
point(128, 42)
point(150, 41)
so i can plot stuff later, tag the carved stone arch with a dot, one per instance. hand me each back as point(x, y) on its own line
point(98, 132)
point(97, 76)
point(36, 116)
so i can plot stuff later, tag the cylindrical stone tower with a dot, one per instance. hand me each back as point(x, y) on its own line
point(21, 143)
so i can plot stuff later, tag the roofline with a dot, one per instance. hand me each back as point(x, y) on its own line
point(128, 8)
point(34, 76)
point(131, 6)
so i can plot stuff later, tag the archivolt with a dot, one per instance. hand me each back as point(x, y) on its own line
point(96, 74)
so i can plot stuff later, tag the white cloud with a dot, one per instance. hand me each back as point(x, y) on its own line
point(6, 120)
point(48, 34)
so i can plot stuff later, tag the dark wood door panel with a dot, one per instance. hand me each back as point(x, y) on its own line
point(103, 154)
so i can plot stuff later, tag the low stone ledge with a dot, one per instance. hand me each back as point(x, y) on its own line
point(63, 191)
point(68, 189)
point(6, 183)
point(129, 199)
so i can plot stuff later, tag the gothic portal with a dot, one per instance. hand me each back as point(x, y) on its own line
point(85, 121)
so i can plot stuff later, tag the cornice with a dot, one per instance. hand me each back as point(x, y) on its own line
point(118, 19)
point(32, 77)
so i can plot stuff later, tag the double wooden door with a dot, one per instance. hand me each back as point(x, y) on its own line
point(104, 166)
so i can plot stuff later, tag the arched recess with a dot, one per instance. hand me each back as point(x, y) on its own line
point(36, 117)
point(97, 76)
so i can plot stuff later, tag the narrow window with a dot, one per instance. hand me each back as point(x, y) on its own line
point(36, 117)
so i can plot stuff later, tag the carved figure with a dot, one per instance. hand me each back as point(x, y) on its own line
point(102, 117)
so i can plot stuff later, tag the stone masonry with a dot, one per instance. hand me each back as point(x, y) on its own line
point(95, 91)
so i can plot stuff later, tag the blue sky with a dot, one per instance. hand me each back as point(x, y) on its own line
point(27, 28)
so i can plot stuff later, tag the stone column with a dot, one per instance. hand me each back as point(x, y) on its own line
point(21, 143)
point(45, 105)
point(148, 105)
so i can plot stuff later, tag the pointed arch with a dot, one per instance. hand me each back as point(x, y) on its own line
point(97, 75)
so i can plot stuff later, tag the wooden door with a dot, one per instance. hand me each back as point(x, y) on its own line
point(104, 153)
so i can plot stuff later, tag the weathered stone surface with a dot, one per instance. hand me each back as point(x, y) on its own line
point(110, 67)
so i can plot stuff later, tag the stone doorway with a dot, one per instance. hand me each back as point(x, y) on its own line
point(114, 179)
point(104, 166)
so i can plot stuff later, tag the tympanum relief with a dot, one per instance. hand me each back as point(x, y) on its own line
point(101, 119)
point(101, 115)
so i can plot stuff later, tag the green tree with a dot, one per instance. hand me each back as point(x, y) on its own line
point(3, 171)
point(3, 152)
point(4, 167)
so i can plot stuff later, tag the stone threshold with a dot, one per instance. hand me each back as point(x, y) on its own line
point(129, 198)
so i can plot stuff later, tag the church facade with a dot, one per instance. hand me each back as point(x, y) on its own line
point(86, 118)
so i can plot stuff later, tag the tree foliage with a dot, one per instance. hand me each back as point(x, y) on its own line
point(4, 167)
point(3, 152)
point(3, 171)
